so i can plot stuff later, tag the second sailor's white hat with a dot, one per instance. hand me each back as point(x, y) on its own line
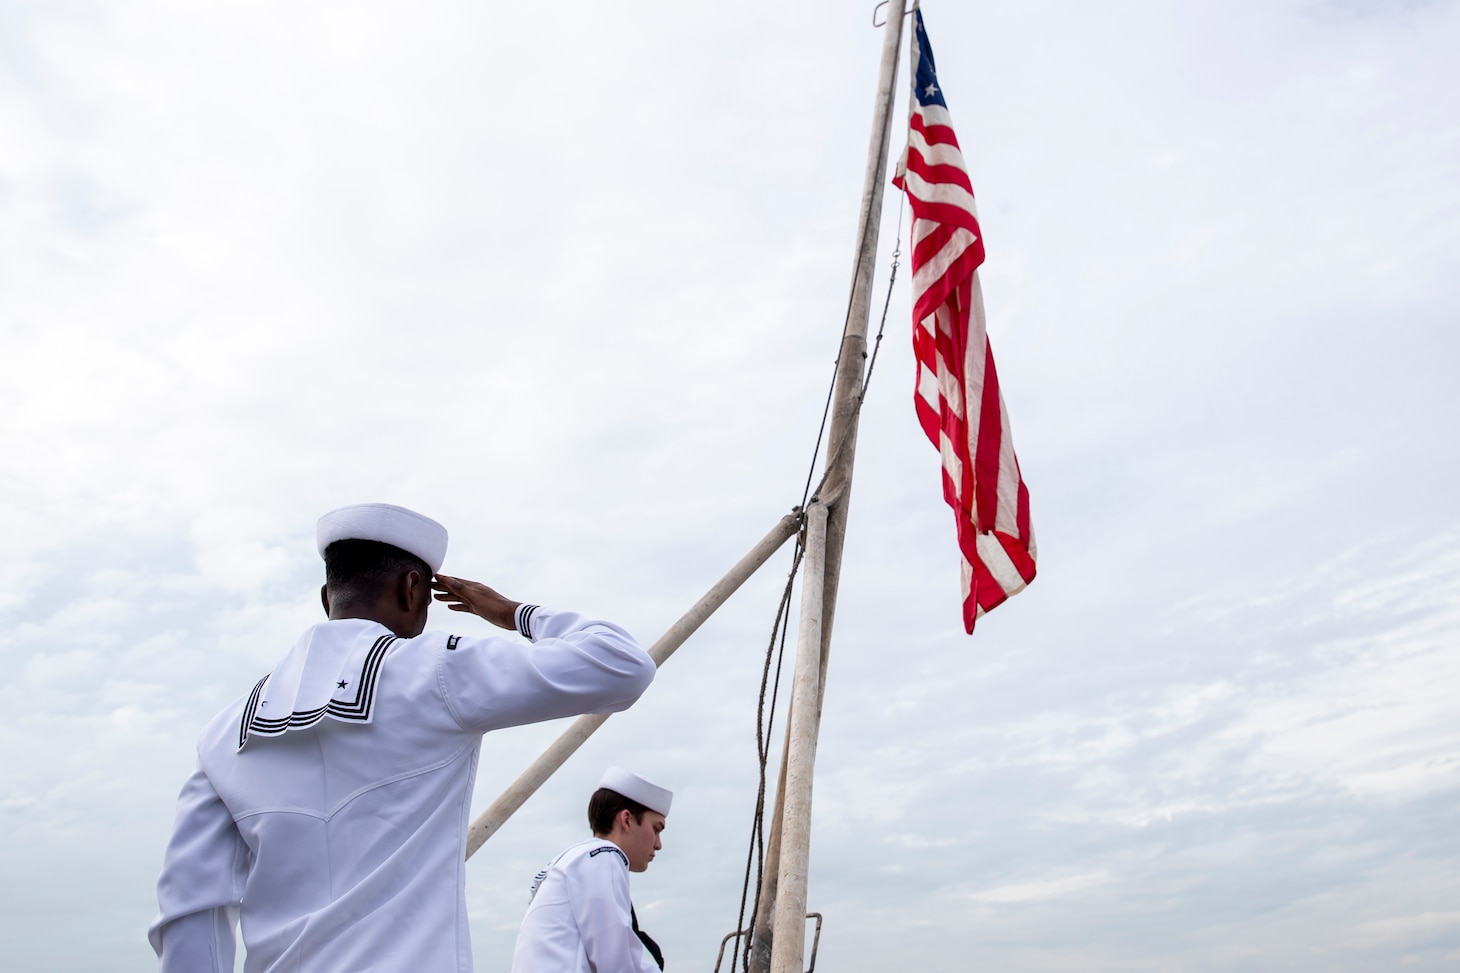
point(637, 788)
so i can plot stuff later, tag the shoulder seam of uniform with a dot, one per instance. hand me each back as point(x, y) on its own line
point(446, 692)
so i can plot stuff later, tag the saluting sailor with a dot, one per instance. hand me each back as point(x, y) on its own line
point(580, 919)
point(330, 804)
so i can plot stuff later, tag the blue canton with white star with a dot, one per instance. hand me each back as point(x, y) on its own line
point(927, 89)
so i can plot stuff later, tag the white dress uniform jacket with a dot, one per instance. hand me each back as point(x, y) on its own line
point(337, 832)
point(579, 918)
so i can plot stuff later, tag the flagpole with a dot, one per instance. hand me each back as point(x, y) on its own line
point(583, 727)
point(778, 936)
point(847, 401)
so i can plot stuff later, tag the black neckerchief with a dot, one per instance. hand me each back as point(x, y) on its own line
point(649, 944)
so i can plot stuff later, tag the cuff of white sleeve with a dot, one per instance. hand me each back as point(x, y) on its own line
point(524, 618)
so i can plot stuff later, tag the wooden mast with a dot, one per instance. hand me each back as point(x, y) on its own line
point(779, 934)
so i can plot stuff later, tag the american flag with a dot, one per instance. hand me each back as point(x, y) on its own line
point(958, 399)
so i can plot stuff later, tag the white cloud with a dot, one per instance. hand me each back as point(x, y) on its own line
point(1059, 888)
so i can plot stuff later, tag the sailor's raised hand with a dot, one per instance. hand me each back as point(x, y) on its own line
point(461, 595)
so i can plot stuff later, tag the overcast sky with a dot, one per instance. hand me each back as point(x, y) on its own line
point(569, 278)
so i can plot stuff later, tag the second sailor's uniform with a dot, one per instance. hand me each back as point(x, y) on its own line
point(580, 919)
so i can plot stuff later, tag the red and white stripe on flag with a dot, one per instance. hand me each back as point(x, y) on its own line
point(958, 399)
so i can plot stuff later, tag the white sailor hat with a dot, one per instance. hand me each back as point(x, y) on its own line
point(388, 524)
point(636, 788)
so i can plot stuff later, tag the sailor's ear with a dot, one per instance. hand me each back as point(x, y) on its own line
point(324, 599)
point(413, 589)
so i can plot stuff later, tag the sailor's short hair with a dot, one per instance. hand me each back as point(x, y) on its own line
point(604, 806)
point(366, 568)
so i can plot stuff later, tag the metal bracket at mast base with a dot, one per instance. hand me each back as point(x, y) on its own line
point(815, 942)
